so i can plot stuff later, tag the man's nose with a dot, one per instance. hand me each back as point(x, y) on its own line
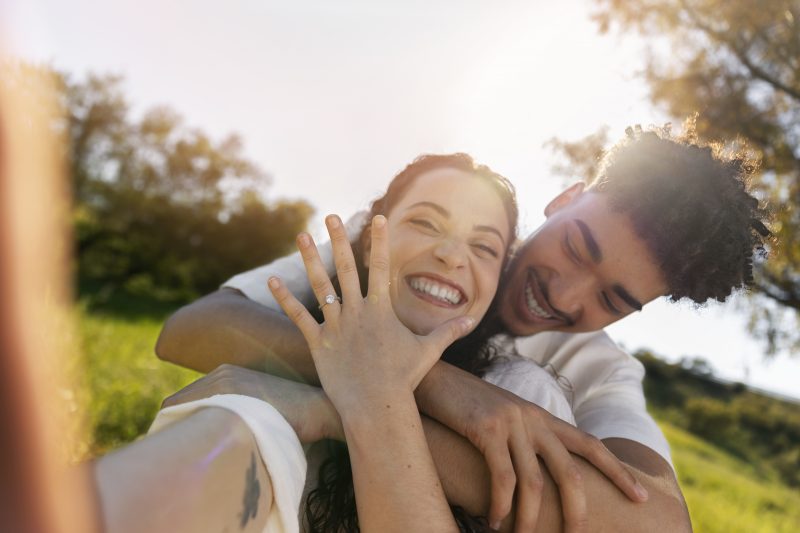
point(451, 252)
point(570, 292)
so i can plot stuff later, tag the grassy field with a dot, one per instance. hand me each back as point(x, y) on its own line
point(725, 494)
point(123, 384)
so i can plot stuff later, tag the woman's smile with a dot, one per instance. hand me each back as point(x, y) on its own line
point(436, 290)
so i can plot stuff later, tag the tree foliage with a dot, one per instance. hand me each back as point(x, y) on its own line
point(160, 209)
point(736, 64)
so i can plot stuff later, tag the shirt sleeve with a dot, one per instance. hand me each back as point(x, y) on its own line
point(278, 446)
point(532, 383)
point(290, 269)
point(616, 408)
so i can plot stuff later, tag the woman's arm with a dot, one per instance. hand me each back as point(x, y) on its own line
point(203, 473)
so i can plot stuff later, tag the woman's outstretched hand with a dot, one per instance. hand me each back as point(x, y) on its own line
point(362, 352)
point(369, 364)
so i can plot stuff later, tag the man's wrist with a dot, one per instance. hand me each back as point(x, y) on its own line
point(427, 390)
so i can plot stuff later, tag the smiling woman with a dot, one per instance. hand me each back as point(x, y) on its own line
point(452, 223)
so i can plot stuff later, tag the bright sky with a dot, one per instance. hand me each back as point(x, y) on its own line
point(333, 98)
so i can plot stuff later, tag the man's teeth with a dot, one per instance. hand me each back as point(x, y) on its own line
point(437, 290)
point(533, 305)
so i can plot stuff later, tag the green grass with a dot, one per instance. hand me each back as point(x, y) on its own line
point(725, 494)
point(122, 381)
point(123, 384)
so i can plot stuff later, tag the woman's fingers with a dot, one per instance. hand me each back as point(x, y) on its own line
point(318, 276)
point(379, 260)
point(569, 480)
point(593, 450)
point(345, 262)
point(296, 312)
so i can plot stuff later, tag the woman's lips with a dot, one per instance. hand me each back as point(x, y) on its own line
point(436, 290)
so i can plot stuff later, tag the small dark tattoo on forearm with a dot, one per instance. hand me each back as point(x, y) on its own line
point(252, 490)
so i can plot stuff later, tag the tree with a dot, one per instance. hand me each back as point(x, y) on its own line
point(737, 64)
point(159, 208)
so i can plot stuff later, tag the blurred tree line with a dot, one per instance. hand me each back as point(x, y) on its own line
point(737, 64)
point(761, 430)
point(161, 210)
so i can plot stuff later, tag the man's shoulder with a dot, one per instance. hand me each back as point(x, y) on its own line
point(550, 344)
point(591, 356)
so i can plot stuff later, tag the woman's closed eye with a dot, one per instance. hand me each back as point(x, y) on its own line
point(425, 224)
point(486, 249)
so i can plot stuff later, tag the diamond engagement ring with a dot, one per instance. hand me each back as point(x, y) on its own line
point(329, 299)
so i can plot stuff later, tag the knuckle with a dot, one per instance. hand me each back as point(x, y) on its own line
point(595, 447)
point(319, 285)
point(489, 426)
point(297, 315)
point(347, 267)
point(506, 477)
point(380, 262)
point(535, 482)
point(580, 521)
point(574, 475)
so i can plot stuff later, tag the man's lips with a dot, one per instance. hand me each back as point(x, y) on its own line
point(436, 290)
point(535, 306)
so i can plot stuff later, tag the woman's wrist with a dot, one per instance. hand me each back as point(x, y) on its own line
point(367, 412)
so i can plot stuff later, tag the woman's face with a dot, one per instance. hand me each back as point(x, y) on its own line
point(448, 236)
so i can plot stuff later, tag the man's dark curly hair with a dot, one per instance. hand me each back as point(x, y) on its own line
point(690, 203)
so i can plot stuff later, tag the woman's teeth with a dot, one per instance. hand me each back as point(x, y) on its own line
point(533, 305)
point(437, 290)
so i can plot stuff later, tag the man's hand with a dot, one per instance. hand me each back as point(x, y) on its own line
point(306, 408)
point(510, 433)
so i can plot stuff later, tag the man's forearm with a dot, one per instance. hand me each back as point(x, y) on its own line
point(226, 327)
point(465, 479)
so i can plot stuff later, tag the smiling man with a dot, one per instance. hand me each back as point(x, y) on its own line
point(663, 217)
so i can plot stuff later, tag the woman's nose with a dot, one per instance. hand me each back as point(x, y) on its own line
point(451, 252)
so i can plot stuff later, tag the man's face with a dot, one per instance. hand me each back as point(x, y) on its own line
point(583, 269)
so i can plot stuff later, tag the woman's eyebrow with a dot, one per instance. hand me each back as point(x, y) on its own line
point(445, 213)
point(491, 229)
point(436, 207)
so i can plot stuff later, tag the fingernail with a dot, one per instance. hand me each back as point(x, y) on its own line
point(303, 240)
point(333, 221)
point(641, 491)
point(495, 525)
point(467, 322)
point(379, 221)
point(274, 282)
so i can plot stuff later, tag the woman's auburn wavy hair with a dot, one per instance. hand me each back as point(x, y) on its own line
point(331, 506)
